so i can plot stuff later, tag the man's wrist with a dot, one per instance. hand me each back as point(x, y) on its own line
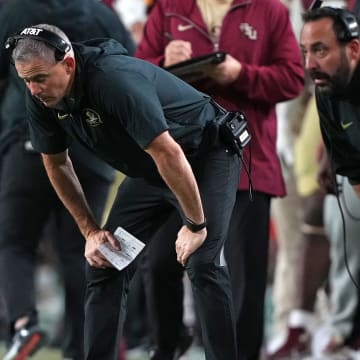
point(194, 227)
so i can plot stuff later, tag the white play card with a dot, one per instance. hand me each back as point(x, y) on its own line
point(130, 249)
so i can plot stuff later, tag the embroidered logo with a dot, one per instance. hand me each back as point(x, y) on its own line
point(62, 116)
point(248, 31)
point(346, 125)
point(92, 117)
point(182, 27)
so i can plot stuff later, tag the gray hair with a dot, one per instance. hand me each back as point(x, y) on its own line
point(28, 48)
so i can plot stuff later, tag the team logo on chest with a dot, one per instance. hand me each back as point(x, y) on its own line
point(92, 117)
point(248, 31)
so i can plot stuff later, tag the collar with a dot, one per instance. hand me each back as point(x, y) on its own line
point(190, 4)
point(241, 2)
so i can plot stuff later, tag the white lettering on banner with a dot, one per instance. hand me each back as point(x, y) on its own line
point(31, 31)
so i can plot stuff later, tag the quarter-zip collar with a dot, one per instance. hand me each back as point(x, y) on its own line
point(190, 15)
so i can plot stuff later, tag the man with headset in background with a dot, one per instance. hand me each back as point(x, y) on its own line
point(27, 199)
point(331, 47)
point(330, 42)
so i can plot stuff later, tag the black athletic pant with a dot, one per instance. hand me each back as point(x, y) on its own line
point(27, 200)
point(164, 291)
point(246, 254)
point(246, 251)
point(142, 209)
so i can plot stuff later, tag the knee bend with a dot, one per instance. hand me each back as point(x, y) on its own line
point(161, 268)
point(199, 272)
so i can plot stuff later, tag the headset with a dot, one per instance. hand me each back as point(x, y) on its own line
point(60, 45)
point(348, 20)
point(349, 23)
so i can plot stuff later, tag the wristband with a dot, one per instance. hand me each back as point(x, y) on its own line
point(193, 227)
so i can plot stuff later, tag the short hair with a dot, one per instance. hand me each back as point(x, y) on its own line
point(340, 18)
point(29, 48)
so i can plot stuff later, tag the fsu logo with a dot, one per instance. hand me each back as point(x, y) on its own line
point(248, 31)
point(92, 117)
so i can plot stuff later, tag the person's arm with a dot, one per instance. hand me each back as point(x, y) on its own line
point(177, 173)
point(155, 36)
point(67, 186)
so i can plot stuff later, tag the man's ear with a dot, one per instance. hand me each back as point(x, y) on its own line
point(70, 64)
point(354, 47)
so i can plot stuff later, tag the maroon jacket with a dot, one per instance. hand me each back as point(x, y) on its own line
point(257, 33)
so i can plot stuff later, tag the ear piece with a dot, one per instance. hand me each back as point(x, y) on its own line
point(350, 24)
point(60, 45)
point(348, 20)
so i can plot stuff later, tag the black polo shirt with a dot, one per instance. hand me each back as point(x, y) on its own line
point(340, 127)
point(120, 105)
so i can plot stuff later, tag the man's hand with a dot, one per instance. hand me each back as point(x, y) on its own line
point(187, 243)
point(93, 241)
point(226, 72)
point(177, 51)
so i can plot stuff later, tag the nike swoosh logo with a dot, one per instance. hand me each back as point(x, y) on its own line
point(346, 125)
point(184, 27)
point(62, 116)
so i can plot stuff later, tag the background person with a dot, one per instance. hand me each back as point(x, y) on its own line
point(333, 66)
point(27, 200)
point(251, 80)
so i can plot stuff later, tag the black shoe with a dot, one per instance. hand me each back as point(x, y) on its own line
point(25, 342)
point(157, 355)
point(185, 341)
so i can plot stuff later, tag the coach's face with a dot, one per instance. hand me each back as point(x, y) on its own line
point(48, 82)
point(330, 63)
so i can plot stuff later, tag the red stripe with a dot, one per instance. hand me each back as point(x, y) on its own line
point(29, 347)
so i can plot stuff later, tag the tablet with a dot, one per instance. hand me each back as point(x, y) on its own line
point(197, 67)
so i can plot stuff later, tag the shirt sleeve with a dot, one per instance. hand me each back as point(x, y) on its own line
point(46, 134)
point(132, 100)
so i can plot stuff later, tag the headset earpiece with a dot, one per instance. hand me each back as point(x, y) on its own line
point(349, 23)
point(60, 45)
